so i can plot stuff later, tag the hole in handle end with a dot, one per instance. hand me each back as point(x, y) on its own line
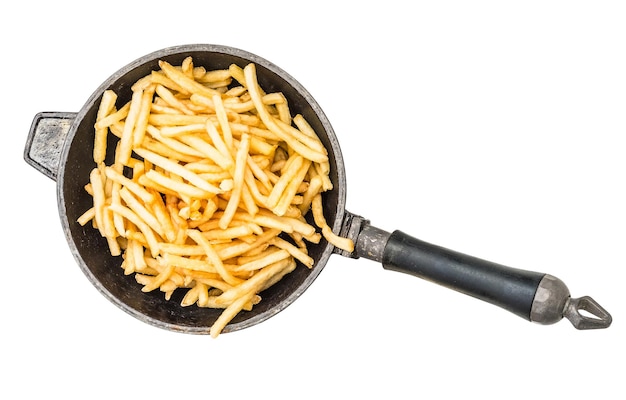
point(596, 317)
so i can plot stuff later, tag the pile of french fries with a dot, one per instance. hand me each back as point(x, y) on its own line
point(210, 183)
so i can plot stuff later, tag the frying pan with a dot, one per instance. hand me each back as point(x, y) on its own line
point(60, 146)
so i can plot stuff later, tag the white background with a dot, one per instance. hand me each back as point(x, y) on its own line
point(494, 128)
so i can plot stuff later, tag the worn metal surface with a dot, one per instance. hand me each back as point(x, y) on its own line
point(550, 299)
point(553, 302)
point(598, 317)
point(45, 141)
point(371, 243)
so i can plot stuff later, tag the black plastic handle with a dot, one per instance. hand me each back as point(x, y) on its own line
point(510, 288)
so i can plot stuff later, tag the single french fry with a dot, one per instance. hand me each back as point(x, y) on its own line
point(99, 200)
point(143, 115)
point(222, 119)
point(126, 142)
point(176, 119)
point(264, 261)
point(181, 249)
point(329, 235)
point(322, 171)
point(176, 130)
point(188, 263)
point(107, 103)
point(229, 313)
point(240, 165)
point(315, 187)
point(233, 232)
point(218, 141)
point(217, 75)
point(114, 246)
point(237, 73)
point(86, 216)
point(251, 184)
point(118, 221)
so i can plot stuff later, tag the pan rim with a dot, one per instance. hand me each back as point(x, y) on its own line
point(227, 50)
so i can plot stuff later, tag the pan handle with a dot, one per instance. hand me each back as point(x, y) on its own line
point(534, 296)
point(45, 141)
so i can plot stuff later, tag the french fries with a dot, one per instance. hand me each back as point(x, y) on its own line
point(211, 182)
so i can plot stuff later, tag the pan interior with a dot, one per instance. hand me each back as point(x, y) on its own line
point(91, 250)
